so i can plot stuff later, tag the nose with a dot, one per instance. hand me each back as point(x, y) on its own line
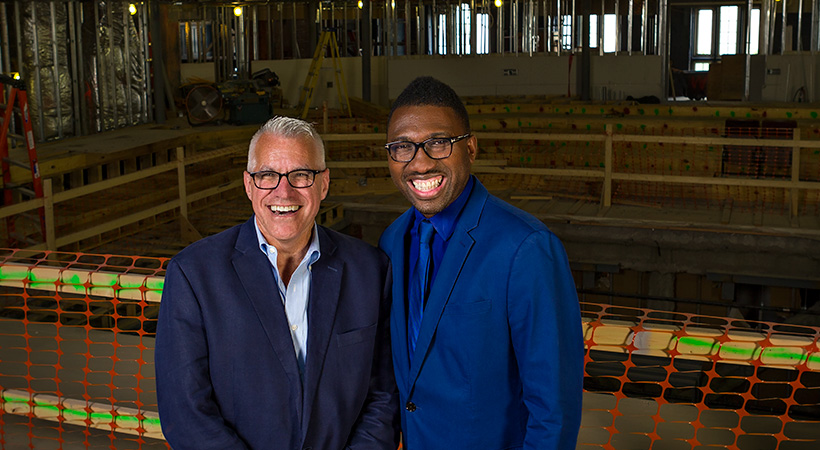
point(284, 186)
point(421, 162)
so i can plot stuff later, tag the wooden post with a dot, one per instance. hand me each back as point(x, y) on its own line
point(186, 229)
point(324, 117)
point(794, 194)
point(607, 189)
point(183, 194)
point(48, 207)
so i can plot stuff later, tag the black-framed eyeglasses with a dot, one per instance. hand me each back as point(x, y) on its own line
point(299, 178)
point(436, 148)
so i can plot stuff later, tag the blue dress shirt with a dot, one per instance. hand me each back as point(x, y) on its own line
point(443, 223)
point(296, 294)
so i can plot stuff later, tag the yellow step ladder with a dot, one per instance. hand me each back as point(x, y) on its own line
point(326, 40)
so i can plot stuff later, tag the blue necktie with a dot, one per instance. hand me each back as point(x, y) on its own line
point(418, 292)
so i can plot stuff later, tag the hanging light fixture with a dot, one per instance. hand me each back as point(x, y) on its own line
point(360, 4)
point(132, 8)
point(498, 3)
point(237, 11)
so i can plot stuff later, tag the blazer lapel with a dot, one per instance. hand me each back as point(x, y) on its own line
point(398, 311)
point(325, 288)
point(451, 264)
point(255, 273)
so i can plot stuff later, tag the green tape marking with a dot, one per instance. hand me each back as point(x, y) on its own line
point(13, 273)
point(704, 344)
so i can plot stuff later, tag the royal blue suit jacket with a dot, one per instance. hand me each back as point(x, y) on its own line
point(227, 374)
point(499, 358)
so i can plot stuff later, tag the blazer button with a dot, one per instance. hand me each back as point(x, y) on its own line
point(410, 406)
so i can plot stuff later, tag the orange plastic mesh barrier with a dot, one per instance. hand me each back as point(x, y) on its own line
point(76, 366)
point(682, 381)
point(76, 351)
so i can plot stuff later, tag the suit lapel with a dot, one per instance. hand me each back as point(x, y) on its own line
point(255, 273)
point(325, 288)
point(398, 312)
point(451, 265)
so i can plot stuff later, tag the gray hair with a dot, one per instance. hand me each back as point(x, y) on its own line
point(287, 127)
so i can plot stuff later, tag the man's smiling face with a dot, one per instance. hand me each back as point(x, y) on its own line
point(430, 184)
point(285, 215)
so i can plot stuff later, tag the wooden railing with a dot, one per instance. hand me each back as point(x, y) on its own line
point(607, 173)
point(53, 242)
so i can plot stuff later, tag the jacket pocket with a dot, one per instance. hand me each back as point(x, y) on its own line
point(471, 308)
point(356, 336)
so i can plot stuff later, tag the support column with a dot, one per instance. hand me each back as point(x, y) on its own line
point(367, 48)
point(157, 60)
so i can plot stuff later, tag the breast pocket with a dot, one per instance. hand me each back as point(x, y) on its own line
point(468, 309)
point(356, 336)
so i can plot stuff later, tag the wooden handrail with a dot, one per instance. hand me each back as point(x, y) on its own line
point(607, 172)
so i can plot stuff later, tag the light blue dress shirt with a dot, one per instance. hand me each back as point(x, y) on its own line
point(295, 295)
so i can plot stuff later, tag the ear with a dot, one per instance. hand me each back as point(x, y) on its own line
point(248, 184)
point(472, 148)
point(325, 183)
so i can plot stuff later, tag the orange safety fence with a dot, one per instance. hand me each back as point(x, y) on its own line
point(76, 366)
point(656, 379)
point(76, 350)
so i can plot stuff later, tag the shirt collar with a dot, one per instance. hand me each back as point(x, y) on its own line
point(445, 221)
point(312, 255)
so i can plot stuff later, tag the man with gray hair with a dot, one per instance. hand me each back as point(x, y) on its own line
point(275, 333)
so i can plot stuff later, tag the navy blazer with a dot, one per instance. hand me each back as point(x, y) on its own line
point(227, 375)
point(499, 358)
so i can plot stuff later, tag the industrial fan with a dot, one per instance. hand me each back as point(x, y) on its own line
point(204, 104)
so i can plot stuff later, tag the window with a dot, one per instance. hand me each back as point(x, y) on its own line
point(754, 35)
point(461, 28)
point(728, 30)
point(593, 31)
point(718, 32)
point(610, 33)
point(566, 32)
point(703, 37)
point(442, 34)
point(483, 33)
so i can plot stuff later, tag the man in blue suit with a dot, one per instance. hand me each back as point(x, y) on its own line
point(485, 324)
point(274, 334)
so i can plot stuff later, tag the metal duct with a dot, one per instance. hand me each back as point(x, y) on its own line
point(45, 59)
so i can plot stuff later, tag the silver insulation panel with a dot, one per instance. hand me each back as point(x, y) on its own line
point(45, 62)
point(116, 68)
point(112, 60)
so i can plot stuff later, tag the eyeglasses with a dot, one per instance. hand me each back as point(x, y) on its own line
point(299, 179)
point(436, 148)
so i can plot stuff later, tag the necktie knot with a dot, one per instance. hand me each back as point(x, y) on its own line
point(426, 231)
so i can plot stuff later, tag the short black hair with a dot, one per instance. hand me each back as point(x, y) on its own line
point(428, 91)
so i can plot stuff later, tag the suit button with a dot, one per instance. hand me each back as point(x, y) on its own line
point(410, 406)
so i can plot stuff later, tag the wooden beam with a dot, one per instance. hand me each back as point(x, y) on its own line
point(726, 211)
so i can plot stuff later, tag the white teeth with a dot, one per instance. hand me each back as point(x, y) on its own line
point(427, 185)
point(283, 209)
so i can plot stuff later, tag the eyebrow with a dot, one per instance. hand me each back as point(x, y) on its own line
point(438, 134)
point(268, 169)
